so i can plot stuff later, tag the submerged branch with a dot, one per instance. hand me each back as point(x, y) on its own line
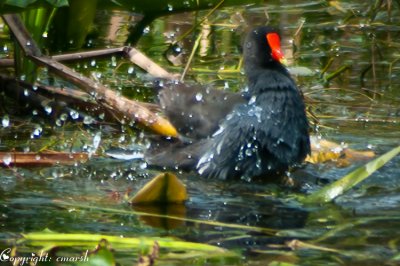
point(63, 100)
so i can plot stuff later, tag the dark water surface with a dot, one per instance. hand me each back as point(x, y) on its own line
point(359, 108)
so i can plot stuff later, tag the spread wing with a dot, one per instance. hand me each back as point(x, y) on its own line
point(196, 111)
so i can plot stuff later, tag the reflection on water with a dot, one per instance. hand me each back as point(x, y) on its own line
point(359, 106)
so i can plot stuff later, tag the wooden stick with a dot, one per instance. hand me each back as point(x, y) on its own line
point(14, 158)
point(133, 54)
point(132, 109)
point(138, 58)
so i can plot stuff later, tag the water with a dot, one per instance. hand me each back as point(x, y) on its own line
point(359, 107)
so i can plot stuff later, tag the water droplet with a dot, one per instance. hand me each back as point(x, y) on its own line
point(226, 85)
point(177, 49)
point(5, 48)
point(143, 166)
point(255, 111)
point(26, 92)
point(199, 96)
point(48, 109)
point(5, 121)
point(96, 140)
point(248, 152)
point(258, 163)
point(131, 69)
point(36, 132)
point(7, 159)
point(28, 43)
point(74, 114)
point(252, 99)
point(88, 120)
point(113, 61)
point(63, 117)
point(93, 63)
point(170, 7)
point(56, 173)
point(45, 34)
point(146, 30)
point(34, 88)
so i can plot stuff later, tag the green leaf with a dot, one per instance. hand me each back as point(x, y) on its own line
point(41, 239)
point(58, 3)
point(337, 188)
point(116, 2)
point(19, 3)
point(26, 3)
point(396, 257)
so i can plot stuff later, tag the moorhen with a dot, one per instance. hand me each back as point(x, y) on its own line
point(262, 131)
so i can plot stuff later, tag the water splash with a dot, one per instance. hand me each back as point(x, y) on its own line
point(88, 120)
point(5, 121)
point(7, 159)
point(199, 96)
point(74, 114)
point(48, 109)
point(96, 140)
point(37, 132)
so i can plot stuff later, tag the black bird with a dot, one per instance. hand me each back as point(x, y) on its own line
point(260, 132)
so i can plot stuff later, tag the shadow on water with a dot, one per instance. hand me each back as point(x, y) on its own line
point(359, 107)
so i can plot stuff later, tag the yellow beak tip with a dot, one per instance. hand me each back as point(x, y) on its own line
point(283, 61)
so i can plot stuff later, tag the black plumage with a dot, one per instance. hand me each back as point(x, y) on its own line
point(262, 131)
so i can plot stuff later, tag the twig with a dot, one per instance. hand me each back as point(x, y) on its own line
point(134, 55)
point(195, 46)
point(299, 28)
point(326, 67)
point(14, 158)
point(337, 72)
point(144, 62)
